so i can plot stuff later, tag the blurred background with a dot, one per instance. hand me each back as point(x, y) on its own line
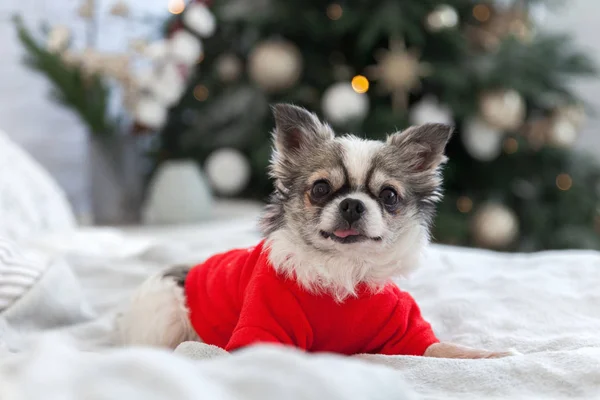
point(156, 112)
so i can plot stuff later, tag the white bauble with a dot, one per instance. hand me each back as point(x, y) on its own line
point(167, 84)
point(504, 109)
point(494, 226)
point(563, 132)
point(228, 171)
point(428, 110)
point(58, 38)
point(482, 141)
point(150, 112)
point(185, 47)
point(177, 194)
point(198, 18)
point(341, 104)
point(443, 17)
point(156, 50)
point(275, 65)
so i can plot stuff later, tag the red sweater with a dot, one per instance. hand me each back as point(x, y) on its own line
point(236, 299)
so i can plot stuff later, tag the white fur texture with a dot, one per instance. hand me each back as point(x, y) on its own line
point(357, 156)
point(156, 316)
point(339, 272)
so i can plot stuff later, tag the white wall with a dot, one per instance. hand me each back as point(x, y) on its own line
point(580, 18)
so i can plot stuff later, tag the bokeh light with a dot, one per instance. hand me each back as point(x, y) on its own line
point(201, 92)
point(176, 6)
point(481, 12)
point(360, 84)
point(511, 145)
point(334, 11)
point(464, 204)
point(564, 182)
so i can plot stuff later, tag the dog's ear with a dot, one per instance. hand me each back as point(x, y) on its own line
point(297, 129)
point(422, 146)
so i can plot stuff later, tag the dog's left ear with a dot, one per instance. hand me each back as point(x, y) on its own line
point(422, 146)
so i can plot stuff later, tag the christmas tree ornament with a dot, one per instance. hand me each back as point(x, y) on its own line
point(342, 104)
point(167, 84)
point(199, 19)
point(58, 39)
point(229, 67)
point(184, 47)
point(177, 194)
point(442, 17)
point(503, 109)
point(494, 226)
point(398, 72)
point(482, 141)
point(120, 9)
point(150, 113)
point(275, 65)
point(156, 51)
point(564, 182)
point(87, 9)
point(562, 131)
point(429, 110)
point(228, 171)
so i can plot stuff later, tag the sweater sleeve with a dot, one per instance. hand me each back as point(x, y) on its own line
point(270, 314)
point(412, 335)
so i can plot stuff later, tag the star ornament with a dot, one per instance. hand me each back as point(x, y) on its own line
point(398, 72)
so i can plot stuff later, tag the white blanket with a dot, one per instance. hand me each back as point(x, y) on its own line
point(546, 306)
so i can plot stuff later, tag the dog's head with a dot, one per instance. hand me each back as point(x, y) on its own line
point(349, 209)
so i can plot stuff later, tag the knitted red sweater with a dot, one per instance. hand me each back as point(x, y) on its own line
point(236, 299)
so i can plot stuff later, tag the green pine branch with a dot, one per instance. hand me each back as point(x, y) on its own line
point(86, 95)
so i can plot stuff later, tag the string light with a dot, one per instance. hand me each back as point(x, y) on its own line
point(360, 84)
point(334, 11)
point(564, 182)
point(481, 12)
point(176, 6)
point(511, 145)
point(464, 204)
point(201, 92)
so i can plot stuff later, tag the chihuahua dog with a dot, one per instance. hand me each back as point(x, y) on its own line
point(347, 216)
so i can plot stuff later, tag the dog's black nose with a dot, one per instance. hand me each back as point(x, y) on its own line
point(352, 209)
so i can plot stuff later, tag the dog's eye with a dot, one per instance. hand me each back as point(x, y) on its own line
point(388, 196)
point(320, 189)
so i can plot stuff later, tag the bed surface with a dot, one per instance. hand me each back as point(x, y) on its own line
point(546, 306)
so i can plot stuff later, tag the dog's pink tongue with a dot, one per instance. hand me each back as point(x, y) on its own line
point(345, 233)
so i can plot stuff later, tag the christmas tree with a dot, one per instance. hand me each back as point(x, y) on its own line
point(371, 67)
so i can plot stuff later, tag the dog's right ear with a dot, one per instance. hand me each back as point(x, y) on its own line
point(297, 129)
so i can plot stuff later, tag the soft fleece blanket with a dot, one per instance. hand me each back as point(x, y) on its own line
point(546, 306)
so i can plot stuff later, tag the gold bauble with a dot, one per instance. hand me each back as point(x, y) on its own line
point(503, 109)
point(275, 65)
point(494, 226)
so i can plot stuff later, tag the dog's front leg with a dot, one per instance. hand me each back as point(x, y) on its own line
point(449, 350)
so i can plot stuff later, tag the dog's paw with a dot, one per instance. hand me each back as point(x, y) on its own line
point(449, 350)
